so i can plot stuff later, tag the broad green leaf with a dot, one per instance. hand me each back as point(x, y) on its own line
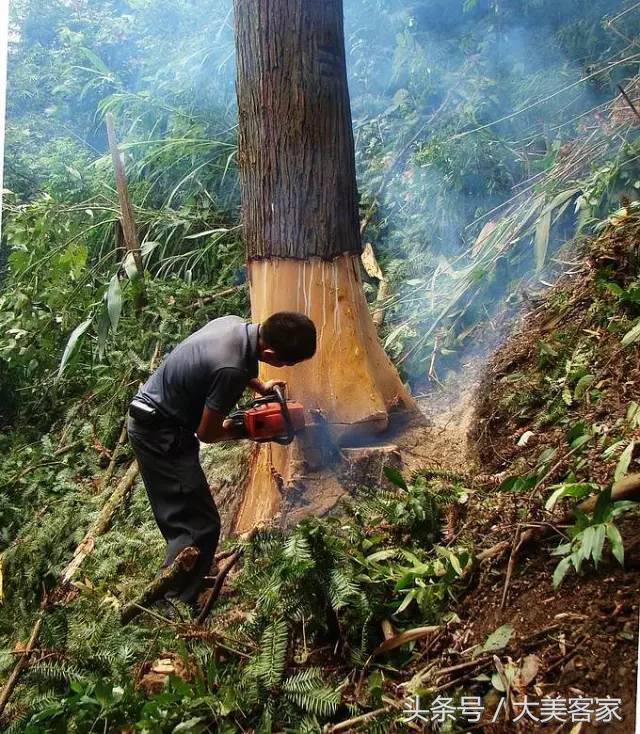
point(561, 572)
point(72, 344)
point(95, 60)
point(114, 302)
point(406, 601)
point(632, 335)
point(560, 199)
point(598, 543)
point(499, 639)
point(541, 241)
point(622, 466)
point(603, 508)
point(617, 546)
point(382, 555)
point(102, 329)
point(587, 539)
point(581, 441)
point(569, 490)
point(394, 476)
point(208, 232)
point(580, 429)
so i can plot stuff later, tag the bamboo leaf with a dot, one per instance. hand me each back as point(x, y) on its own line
point(561, 572)
point(541, 241)
point(72, 344)
point(114, 302)
point(632, 335)
point(617, 546)
point(568, 490)
point(622, 466)
point(598, 543)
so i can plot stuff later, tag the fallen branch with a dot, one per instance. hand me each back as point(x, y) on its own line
point(200, 302)
point(173, 576)
point(217, 587)
point(101, 523)
point(106, 477)
point(19, 666)
point(355, 721)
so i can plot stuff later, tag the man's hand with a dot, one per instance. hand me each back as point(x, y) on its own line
point(264, 388)
point(216, 427)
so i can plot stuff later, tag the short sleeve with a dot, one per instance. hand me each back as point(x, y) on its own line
point(226, 389)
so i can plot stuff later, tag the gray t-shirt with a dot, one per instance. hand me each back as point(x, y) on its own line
point(211, 367)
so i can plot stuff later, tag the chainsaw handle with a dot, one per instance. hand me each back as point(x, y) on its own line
point(285, 440)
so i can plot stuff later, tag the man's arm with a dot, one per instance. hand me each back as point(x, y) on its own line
point(214, 427)
point(264, 388)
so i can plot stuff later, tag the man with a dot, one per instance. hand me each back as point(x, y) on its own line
point(188, 398)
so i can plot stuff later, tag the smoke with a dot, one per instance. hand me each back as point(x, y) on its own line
point(456, 105)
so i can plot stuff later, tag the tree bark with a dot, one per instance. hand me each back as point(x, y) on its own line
point(297, 161)
point(302, 233)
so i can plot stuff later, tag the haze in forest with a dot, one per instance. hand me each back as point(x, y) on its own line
point(454, 102)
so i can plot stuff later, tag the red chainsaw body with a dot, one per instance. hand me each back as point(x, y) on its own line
point(266, 420)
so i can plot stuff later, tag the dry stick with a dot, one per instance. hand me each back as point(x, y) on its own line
point(112, 464)
point(628, 101)
point(20, 666)
point(516, 545)
point(101, 523)
point(214, 296)
point(126, 212)
point(356, 721)
point(172, 577)
point(217, 587)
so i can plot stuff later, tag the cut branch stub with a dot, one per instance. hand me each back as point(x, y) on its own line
point(171, 578)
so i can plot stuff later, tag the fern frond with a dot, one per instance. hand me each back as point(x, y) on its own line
point(320, 701)
point(273, 652)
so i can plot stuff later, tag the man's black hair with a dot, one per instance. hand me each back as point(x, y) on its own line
point(291, 335)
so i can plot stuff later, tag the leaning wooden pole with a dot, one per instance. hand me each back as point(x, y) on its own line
point(126, 213)
point(102, 522)
point(12, 681)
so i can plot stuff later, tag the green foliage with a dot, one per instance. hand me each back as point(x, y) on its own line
point(588, 536)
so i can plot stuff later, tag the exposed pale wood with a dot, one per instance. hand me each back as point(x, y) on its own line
point(350, 382)
point(20, 665)
point(170, 578)
point(102, 522)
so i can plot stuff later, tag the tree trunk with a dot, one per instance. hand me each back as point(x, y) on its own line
point(301, 227)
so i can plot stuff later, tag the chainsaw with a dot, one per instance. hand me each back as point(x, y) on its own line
point(269, 418)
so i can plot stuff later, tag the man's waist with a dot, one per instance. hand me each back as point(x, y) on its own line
point(148, 414)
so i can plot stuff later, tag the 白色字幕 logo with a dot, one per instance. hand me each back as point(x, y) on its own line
point(471, 710)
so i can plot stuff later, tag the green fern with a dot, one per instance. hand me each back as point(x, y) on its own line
point(273, 652)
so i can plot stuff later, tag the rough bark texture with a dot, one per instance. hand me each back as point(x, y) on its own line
point(297, 163)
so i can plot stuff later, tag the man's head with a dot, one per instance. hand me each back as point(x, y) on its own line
point(286, 338)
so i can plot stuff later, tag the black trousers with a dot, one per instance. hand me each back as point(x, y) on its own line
point(168, 458)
